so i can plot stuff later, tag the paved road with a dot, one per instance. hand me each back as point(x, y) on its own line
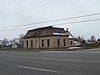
point(84, 62)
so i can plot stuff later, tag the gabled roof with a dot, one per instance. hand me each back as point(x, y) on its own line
point(1, 42)
point(42, 28)
point(45, 31)
point(54, 29)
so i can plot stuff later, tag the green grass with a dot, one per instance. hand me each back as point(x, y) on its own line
point(18, 49)
point(31, 49)
point(90, 46)
point(87, 46)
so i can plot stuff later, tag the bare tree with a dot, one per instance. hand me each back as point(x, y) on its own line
point(93, 39)
point(5, 42)
point(15, 41)
point(21, 40)
point(81, 39)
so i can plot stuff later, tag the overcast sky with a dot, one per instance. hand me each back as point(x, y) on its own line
point(17, 16)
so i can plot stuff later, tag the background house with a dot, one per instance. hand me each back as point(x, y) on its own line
point(0, 43)
point(48, 37)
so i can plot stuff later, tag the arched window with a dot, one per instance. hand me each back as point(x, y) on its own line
point(48, 43)
point(71, 42)
point(64, 42)
point(58, 42)
point(31, 43)
point(27, 43)
point(42, 43)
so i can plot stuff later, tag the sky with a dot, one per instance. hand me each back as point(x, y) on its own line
point(19, 16)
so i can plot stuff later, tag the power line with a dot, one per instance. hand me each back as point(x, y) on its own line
point(29, 5)
point(57, 2)
point(15, 5)
point(23, 6)
point(88, 15)
point(83, 21)
point(3, 2)
point(9, 3)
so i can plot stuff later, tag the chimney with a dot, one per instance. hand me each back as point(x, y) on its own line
point(66, 29)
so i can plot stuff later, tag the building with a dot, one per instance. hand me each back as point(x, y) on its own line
point(48, 37)
point(1, 43)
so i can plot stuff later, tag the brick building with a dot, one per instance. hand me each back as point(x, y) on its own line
point(48, 37)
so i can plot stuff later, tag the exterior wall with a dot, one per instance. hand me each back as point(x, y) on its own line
point(46, 43)
point(71, 42)
point(61, 43)
point(35, 43)
point(41, 42)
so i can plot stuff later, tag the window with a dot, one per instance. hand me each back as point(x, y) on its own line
point(71, 42)
point(48, 42)
point(58, 42)
point(27, 43)
point(31, 43)
point(64, 42)
point(42, 43)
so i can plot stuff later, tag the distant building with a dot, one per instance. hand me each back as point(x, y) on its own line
point(48, 37)
point(14, 46)
point(0, 43)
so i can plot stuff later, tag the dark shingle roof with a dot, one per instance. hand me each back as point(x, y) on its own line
point(44, 31)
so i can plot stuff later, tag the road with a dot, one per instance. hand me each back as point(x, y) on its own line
point(84, 62)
